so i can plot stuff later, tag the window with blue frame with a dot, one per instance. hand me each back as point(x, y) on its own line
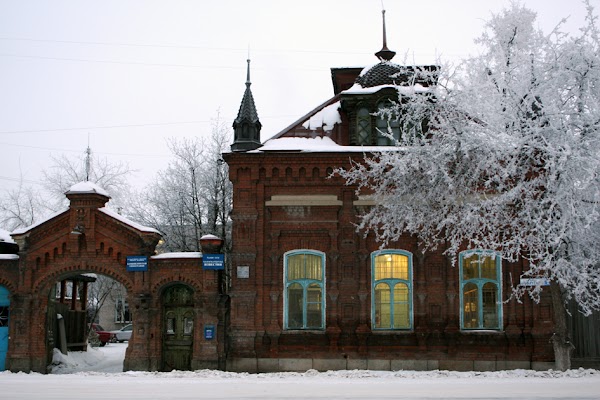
point(481, 290)
point(304, 297)
point(391, 290)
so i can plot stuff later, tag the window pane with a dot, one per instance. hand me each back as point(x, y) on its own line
point(490, 305)
point(363, 126)
point(401, 310)
point(488, 267)
point(304, 266)
point(313, 266)
point(384, 126)
point(382, 306)
point(170, 325)
point(188, 326)
point(399, 266)
point(391, 266)
point(294, 306)
point(295, 267)
point(313, 306)
point(471, 267)
point(313, 294)
point(470, 300)
point(313, 315)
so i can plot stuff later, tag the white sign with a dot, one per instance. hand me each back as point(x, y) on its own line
point(243, 272)
point(534, 282)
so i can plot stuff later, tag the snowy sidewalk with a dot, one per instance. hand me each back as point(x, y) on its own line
point(74, 379)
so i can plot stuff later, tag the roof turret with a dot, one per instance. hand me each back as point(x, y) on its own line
point(246, 127)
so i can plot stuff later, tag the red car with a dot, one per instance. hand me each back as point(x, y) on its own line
point(103, 336)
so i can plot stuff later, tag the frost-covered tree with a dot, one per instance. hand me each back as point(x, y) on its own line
point(219, 190)
point(510, 163)
point(65, 172)
point(192, 196)
point(20, 207)
point(27, 205)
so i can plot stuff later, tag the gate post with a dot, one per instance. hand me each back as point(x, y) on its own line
point(137, 356)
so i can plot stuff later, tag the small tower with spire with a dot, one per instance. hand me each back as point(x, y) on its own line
point(246, 127)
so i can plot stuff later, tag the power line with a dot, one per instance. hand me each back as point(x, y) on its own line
point(106, 127)
point(119, 62)
point(79, 151)
point(124, 126)
point(195, 47)
point(7, 178)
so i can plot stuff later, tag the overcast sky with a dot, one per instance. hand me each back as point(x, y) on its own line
point(129, 74)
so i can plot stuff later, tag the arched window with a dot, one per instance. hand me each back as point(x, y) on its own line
point(363, 127)
point(392, 289)
point(304, 297)
point(481, 290)
point(387, 125)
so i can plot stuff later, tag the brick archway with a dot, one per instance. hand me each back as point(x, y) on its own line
point(90, 238)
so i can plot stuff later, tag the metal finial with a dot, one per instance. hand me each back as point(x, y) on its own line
point(248, 73)
point(385, 53)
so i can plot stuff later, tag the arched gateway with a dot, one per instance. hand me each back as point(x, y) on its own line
point(90, 238)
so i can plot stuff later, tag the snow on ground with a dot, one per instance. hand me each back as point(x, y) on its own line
point(102, 359)
point(96, 375)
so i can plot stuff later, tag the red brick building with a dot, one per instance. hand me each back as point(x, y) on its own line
point(304, 289)
point(309, 291)
point(175, 302)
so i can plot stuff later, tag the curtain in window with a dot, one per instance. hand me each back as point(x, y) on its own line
point(480, 291)
point(305, 291)
point(391, 291)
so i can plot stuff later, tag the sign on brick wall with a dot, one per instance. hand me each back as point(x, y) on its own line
point(213, 261)
point(137, 263)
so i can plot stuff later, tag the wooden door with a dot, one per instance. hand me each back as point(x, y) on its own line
point(4, 313)
point(178, 328)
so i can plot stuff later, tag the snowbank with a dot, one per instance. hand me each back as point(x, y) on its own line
point(75, 360)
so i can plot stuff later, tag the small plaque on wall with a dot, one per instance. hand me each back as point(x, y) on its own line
point(243, 272)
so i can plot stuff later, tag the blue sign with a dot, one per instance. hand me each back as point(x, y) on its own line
point(213, 261)
point(209, 332)
point(137, 263)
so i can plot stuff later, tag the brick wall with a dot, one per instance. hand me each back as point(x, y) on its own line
point(265, 228)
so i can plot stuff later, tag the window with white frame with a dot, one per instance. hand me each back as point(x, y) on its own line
point(480, 290)
point(304, 296)
point(391, 290)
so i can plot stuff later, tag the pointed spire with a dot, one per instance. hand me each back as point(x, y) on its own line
point(385, 53)
point(246, 127)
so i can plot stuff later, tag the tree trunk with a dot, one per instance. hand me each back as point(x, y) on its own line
point(561, 340)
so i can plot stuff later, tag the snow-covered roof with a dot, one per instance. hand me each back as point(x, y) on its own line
point(127, 221)
point(5, 236)
point(326, 118)
point(180, 254)
point(317, 145)
point(105, 210)
point(20, 231)
point(403, 90)
point(87, 187)
point(9, 256)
